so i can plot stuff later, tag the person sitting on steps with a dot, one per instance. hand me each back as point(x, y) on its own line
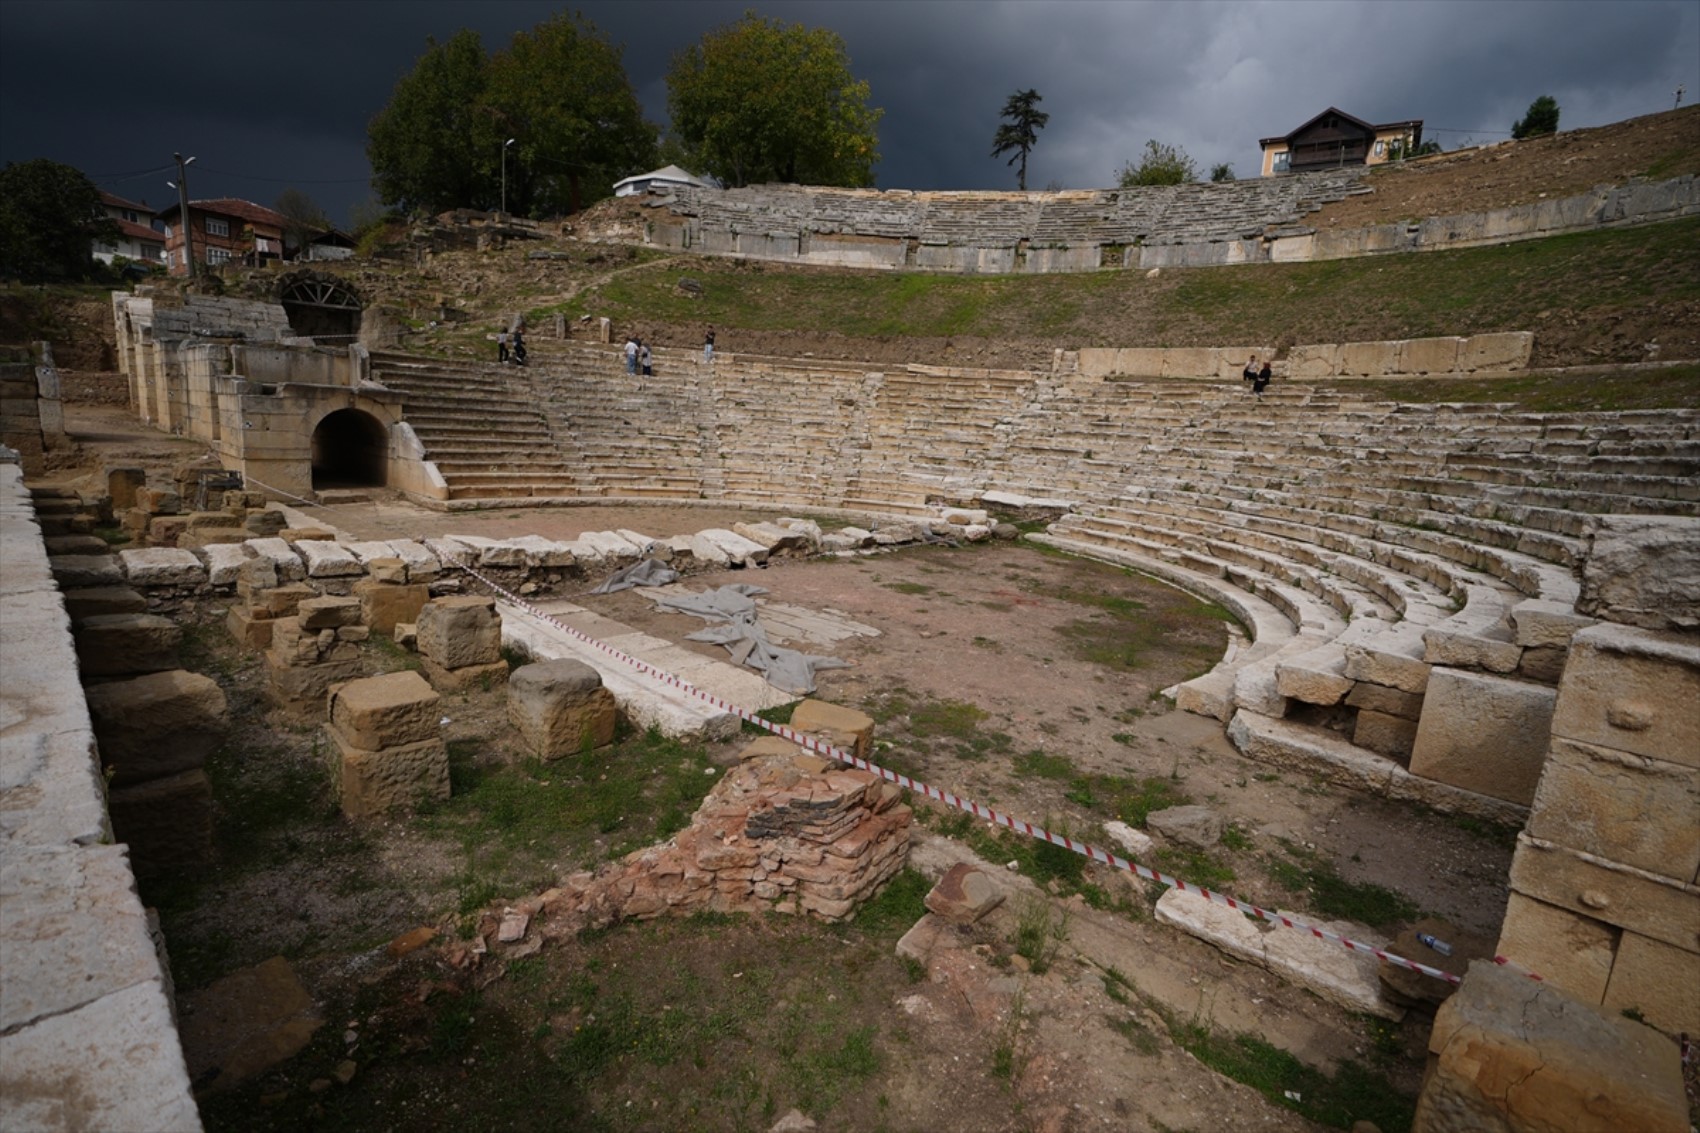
point(1263, 378)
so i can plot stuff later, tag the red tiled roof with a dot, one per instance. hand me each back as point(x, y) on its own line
point(140, 232)
point(117, 202)
point(240, 209)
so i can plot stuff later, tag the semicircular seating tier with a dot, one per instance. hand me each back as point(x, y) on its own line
point(1365, 547)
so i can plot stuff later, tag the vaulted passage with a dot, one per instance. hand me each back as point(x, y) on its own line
point(321, 307)
point(350, 450)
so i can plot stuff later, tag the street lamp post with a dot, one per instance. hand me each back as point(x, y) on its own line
point(505, 146)
point(182, 187)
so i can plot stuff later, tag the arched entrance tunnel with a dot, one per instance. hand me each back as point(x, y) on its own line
point(350, 450)
point(322, 307)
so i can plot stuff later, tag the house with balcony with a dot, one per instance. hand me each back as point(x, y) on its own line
point(138, 239)
point(1334, 139)
point(222, 230)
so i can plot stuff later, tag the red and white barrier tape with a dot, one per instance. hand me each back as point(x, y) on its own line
point(978, 811)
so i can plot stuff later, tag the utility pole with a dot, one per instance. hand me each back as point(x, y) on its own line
point(505, 146)
point(182, 187)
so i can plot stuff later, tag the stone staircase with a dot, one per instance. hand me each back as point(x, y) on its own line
point(480, 425)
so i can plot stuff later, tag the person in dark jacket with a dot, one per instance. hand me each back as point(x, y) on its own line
point(1263, 377)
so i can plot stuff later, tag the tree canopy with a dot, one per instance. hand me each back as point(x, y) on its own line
point(1020, 130)
point(50, 217)
point(1160, 164)
point(1541, 118)
point(303, 218)
point(560, 91)
point(759, 100)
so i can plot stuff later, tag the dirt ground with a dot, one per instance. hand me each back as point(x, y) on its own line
point(1023, 679)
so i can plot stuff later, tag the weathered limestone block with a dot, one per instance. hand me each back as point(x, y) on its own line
point(1191, 825)
point(1393, 657)
point(1628, 808)
point(163, 530)
point(1368, 359)
point(1317, 677)
point(245, 1023)
point(1633, 899)
point(1388, 701)
point(1567, 949)
point(248, 629)
point(158, 501)
point(121, 485)
point(843, 728)
point(1429, 355)
point(156, 725)
point(1189, 362)
point(73, 571)
point(384, 711)
point(372, 783)
point(167, 821)
point(1490, 650)
point(1483, 733)
point(1659, 981)
point(777, 540)
point(1634, 691)
point(162, 566)
point(330, 612)
point(1544, 663)
point(115, 645)
point(1392, 736)
point(289, 566)
point(1507, 350)
point(386, 569)
point(96, 601)
point(739, 550)
point(225, 562)
point(1320, 360)
point(466, 677)
point(75, 545)
point(1643, 570)
point(326, 559)
point(385, 604)
point(459, 631)
point(1541, 623)
point(218, 520)
point(963, 895)
point(1510, 1053)
point(560, 708)
point(284, 601)
point(1336, 974)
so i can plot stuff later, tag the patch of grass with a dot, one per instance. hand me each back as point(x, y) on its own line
point(1236, 839)
point(1039, 934)
point(897, 907)
point(1352, 1093)
point(908, 587)
point(953, 718)
point(1195, 867)
point(1137, 1034)
point(514, 822)
point(112, 536)
point(1333, 896)
point(1043, 765)
point(780, 714)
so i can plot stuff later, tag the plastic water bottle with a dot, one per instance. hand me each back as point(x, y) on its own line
point(1435, 943)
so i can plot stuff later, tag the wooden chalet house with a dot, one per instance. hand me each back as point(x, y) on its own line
point(1334, 138)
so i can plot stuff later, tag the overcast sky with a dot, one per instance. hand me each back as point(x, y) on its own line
point(276, 93)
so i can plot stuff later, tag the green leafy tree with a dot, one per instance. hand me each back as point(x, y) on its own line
point(1160, 164)
point(1222, 171)
point(50, 219)
point(1541, 118)
point(561, 91)
point(758, 100)
point(303, 219)
point(1020, 131)
point(435, 146)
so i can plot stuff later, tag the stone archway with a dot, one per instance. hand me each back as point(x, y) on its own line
point(321, 306)
point(350, 450)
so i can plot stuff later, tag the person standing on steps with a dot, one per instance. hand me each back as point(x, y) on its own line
point(1250, 371)
point(631, 353)
point(643, 359)
point(1263, 378)
point(519, 349)
point(708, 346)
point(501, 346)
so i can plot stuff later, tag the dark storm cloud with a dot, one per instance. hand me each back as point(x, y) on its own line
point(280, 92)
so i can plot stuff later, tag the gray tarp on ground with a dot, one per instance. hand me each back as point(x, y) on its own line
point(734, 609)
point(644, 572)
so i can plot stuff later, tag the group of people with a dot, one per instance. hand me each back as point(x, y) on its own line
point(510, 346)
point(639, 360)
point(1258, 376)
